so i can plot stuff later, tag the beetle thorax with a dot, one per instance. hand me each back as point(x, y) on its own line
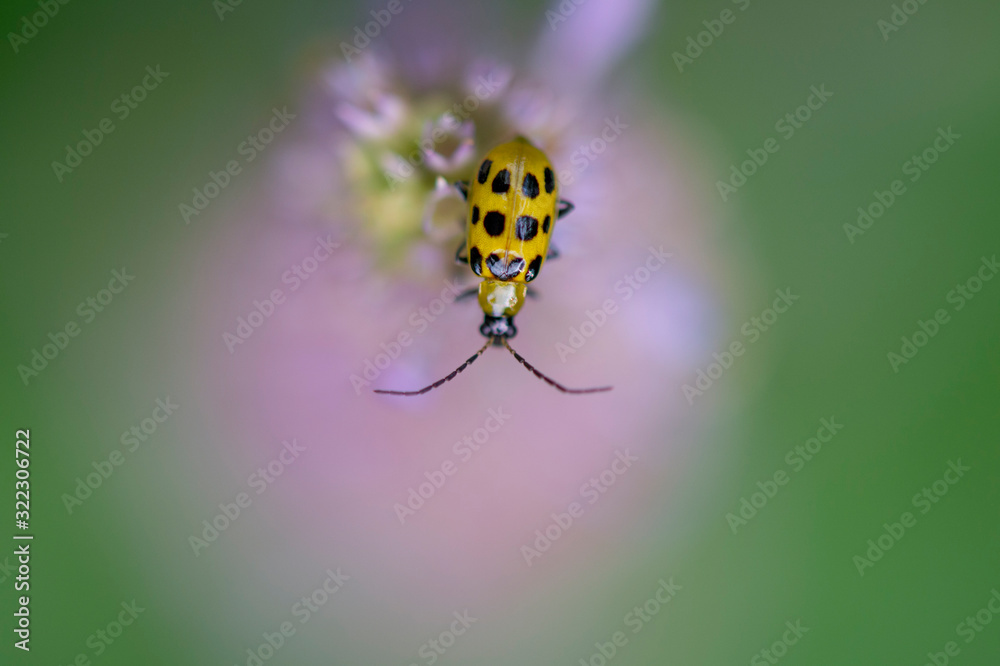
point(498, 298)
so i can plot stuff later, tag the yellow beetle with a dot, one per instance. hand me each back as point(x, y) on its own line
point(513, 205)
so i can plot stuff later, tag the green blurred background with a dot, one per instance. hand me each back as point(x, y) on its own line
point(826, 358)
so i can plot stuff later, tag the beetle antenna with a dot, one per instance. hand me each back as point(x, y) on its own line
point(441, 381)
point(549, 380)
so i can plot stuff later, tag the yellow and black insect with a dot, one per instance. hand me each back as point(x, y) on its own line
point(513, 206)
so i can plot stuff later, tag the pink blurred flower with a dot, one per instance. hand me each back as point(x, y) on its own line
point(374, 167)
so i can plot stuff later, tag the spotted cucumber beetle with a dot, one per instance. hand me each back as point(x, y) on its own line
point(513, 205)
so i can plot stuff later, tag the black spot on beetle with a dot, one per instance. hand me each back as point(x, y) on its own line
point(476, 260)
point(533, 268)
point(484, 171)
point(546, 224)
point(526, 227)
point(493, 223)
point(501, 182)
point(550, 180)
point(475, 214)
point(504, 270)
point(530, 186)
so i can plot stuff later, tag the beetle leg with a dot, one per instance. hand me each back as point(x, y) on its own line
point(565, 208)
point(459, 259)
